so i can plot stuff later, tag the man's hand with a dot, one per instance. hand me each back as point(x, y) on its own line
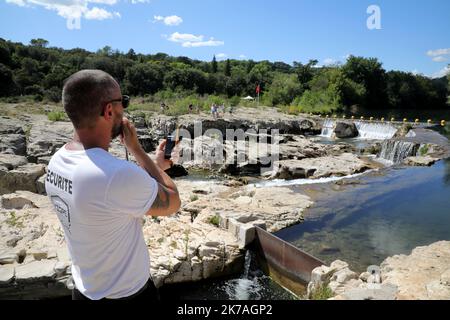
point(129, 136)
point(163, 163)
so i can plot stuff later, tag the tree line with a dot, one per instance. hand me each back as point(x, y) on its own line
point(39, 70)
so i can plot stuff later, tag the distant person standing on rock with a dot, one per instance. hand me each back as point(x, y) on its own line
point(100, 200)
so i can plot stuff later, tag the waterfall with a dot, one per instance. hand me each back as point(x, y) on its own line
point(367, 130)
point(375, 130)
point(328, 128)
point(397, 150)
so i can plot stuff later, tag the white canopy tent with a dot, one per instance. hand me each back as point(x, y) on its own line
point(248, 98)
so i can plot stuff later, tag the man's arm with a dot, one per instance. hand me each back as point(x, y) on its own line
point(167, 200)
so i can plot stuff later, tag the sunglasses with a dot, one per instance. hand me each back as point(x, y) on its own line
point(125, 102)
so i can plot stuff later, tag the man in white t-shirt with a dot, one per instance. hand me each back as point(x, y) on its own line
point(100, 200)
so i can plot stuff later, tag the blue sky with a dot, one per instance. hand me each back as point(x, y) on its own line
point(414, 34)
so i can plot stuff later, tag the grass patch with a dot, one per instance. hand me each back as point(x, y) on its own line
point(322, 292)
point(424, 150)
point(13, 220)
point(56, 116)
point(193, 197)
point(214, 220)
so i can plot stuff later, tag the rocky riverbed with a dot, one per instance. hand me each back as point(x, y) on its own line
point(208, 236)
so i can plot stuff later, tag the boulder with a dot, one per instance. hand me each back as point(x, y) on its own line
point(345, 130)
point(13, 144)
point(422, 161)
point(422, 274)
point(46, 137)
point(7, 273)
point(342, 165)
point(10, 161)
point(36, 271)
point(21, 178)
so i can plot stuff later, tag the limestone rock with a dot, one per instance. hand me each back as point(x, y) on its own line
point(46, 137)
point(342, 165)
point(13, 144)
point(21, 178)
point(6, 274)
point(11, 161)
point(419, 275)
point(36, 271)
point(424, 161)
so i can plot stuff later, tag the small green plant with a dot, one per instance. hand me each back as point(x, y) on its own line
point(322, 292)
point(423, 150)
point(214, 220)
point(194, 197)
point(160, 240)
point(174, 244)
point(13, 220)
point(56, 116)
point(186, 242)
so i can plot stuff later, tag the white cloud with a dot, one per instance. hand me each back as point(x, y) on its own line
point(438, 52)
point(172, 21)
point(139, 1)
point(328, 61)
point(98, 14)
point(441, 73)
point(242, 56)
point(73, 10)
point(184, 37)
point(221, 55)
point(108, 2)
point(439, 59)
point(169, 20)
point(20, 3)
point(188, 40)
point(209, 43)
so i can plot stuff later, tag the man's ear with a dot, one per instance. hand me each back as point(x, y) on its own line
point(108, 110)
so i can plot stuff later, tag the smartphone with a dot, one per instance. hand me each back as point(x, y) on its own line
point(171, 142)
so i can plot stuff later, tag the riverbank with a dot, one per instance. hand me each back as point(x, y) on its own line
point(207, 237)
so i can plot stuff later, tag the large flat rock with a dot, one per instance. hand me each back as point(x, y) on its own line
point(422, 275)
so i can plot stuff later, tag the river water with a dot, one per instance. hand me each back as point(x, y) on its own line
point(361, 219)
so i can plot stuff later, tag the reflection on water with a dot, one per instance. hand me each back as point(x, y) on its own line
point(376, 216)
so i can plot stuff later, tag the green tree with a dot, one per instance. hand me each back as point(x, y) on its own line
point(227, 68)
point(283, 89)
point(214, 64)
point(144, 78)
point(7, 81)
point(369, 73)
point(42, 43)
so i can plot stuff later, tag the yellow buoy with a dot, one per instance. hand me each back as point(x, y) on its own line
point(429, 121)
point(353, 117)
point(334, 116)
point(404, 119)
point(371, 118)
point(392, 119)
point(326, 116)
point(343, 116)
point(443, 123)
point(362, 118)
point(382, 119)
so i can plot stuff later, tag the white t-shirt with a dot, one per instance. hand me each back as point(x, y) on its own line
point(100, 201)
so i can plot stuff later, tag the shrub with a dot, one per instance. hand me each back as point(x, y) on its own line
point(56, 116)
point(214, 220)
point(322, 292)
